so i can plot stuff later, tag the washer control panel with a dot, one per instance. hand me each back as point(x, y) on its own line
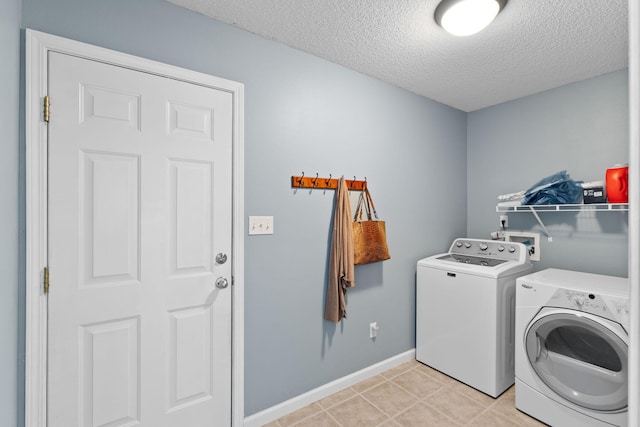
point(495, 249)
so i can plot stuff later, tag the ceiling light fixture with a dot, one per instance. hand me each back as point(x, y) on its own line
point(466, 17)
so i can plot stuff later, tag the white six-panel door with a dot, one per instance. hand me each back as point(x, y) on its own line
point(140, 204)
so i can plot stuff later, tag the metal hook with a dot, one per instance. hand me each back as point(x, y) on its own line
point(315, 180)
point(328, 179)
point(300, 180)
point(353, 183)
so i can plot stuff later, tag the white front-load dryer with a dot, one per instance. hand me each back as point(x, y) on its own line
point(571, 348)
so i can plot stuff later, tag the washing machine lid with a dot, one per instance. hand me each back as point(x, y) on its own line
point(473, 260)
point(581, 357)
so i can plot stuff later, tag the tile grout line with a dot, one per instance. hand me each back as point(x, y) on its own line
point(333, 418)
point(443, 413)
point(374, 405)
point(406, 410)
point(305, 418)
point(390, 380)
point(444, 386)
point(418, 400)
point(386, 380)
point(487, 408)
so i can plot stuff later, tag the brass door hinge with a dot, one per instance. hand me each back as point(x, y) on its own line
point(46, 280)
point(46, 108)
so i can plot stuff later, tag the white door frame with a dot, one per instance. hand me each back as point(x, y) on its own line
point(634, 210)
point(38, 45)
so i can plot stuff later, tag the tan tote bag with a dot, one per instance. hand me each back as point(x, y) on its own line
point(370, 236)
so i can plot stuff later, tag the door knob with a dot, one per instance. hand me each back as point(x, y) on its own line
point(222, 283)
point(221, 258)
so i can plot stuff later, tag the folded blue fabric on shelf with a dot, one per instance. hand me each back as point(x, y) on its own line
point(556, 189)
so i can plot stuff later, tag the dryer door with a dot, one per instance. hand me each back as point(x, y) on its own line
point(581, 357)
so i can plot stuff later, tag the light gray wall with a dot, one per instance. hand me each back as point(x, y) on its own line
point(9, 210)
point(304, 114)
point(581, 128)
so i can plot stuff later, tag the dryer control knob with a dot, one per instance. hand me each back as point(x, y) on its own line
point(483, 246)
point(459, 244)
point(467, 245)
point(500, 248)
point(512, 249)
point(579, 301)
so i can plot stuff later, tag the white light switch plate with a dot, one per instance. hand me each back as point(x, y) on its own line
point(260, 225)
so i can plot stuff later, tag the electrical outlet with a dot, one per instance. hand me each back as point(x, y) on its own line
point(504, 222)
point(373, 329)
point(260, 225)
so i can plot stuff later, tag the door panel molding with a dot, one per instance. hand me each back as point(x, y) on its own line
point(38, 46)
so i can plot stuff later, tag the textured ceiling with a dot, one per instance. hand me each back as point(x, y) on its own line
point(532, 46)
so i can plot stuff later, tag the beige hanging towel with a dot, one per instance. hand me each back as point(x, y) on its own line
point(341, 274)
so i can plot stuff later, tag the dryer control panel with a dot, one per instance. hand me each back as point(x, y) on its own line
point(609, 307)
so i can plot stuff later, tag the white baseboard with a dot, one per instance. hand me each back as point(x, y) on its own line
point(298, 402)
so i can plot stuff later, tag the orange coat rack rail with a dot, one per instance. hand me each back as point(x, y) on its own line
point(323, 183)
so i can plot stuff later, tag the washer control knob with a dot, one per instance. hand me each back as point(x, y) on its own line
point(483, 246)
point(459, 244)
point(512, 249)
point(467, 245)
point(579, 300)
point(500, 248)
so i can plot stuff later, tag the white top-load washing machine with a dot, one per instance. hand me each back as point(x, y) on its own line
point(571, 348)
point(465, 302)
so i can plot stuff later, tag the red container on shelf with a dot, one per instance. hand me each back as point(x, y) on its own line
point(617, 181)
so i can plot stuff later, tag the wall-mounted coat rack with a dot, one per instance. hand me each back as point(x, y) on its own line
point(323, 183)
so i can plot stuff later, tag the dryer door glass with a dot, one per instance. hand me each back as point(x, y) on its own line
point(581, 359)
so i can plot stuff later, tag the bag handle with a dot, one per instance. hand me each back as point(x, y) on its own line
point(370, 205)
point(361, 201)
point(365, 201)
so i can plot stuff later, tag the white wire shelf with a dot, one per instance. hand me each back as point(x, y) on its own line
point(615, 207)
point(535, 209)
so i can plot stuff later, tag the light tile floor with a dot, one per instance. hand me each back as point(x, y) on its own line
point(411, 394)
